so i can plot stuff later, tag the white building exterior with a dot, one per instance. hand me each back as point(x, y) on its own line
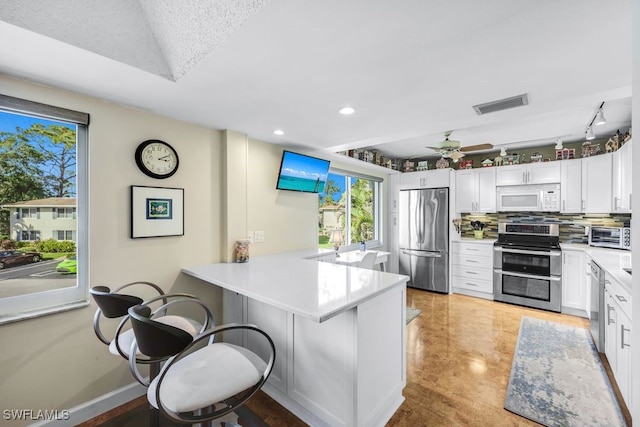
point(42, 219)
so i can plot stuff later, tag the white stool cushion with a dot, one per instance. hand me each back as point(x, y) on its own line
point(208, 376)
point(127, 337)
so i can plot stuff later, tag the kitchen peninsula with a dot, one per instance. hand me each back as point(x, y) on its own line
point(339, 333)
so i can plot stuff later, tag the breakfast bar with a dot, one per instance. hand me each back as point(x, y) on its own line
point(339, 333)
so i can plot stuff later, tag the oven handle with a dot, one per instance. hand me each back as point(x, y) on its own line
point(521, 251)
point(528, 276)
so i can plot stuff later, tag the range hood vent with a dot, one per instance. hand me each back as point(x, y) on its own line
point(502, 104)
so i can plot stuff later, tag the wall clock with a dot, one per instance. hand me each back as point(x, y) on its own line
point(157, 159)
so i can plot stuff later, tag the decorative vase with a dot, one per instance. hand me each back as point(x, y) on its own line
point(241, 251)
point(478, 234)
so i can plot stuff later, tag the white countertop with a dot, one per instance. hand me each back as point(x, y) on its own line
point(485, 241)
point(306, 287)
point(612, 260)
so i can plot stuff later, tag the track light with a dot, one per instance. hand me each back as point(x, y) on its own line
point(600, 120)
point(590, 134)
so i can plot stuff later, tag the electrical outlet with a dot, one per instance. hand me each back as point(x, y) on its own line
point(251, 237)
point(259, 236)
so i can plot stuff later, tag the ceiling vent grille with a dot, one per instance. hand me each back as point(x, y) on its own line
point(502, 104)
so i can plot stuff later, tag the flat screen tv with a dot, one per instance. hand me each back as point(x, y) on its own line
point(299, 172)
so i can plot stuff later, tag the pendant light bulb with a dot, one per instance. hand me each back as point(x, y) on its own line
point(599, 120)
point(590, 134)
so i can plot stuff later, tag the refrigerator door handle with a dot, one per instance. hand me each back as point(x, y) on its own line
point(423, 254)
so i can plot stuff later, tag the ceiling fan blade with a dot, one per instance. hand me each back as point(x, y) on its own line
point(476, 147)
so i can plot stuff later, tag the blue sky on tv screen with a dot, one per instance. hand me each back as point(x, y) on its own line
point(299, 166)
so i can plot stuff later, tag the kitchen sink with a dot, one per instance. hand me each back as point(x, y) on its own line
point(628, 270)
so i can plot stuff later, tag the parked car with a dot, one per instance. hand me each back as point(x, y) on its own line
point(11, 258)
point(68, 266)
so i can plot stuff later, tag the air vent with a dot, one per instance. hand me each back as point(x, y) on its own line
point(502, 104)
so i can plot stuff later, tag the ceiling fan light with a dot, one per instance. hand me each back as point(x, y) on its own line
point(456, 155)
point(590, 134)
point(599, 120)
point(503, 151)
point(559, 144)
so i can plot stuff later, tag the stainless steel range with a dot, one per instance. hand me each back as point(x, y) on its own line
point(528, 265)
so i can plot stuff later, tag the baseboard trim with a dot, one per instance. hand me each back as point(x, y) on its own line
point(91, 409)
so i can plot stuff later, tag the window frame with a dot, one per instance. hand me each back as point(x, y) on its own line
point(376, 242)
point(21, 307)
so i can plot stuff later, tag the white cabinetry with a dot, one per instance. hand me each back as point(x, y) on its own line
point(532, 173)
point(574, 287)
point(394, 191)
point(618, 334)
point(621, 185)
point(435, 178)
point(476, 190)
point(596, 184)
point(571, 186)
point(472, 268)
point(392, 222)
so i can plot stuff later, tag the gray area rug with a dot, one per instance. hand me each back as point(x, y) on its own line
point(412, 313)
point(557, 378)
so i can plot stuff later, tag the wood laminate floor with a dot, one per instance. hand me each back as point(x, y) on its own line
point(459, 354)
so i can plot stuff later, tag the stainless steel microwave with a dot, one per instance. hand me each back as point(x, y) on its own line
point(610, 237)
point(529, 198)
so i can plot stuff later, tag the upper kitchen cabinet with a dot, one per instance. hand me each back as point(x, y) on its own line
point(621, 186)
point(571, 186)
point(531, 173)
point(476, 190)
point(596, 184)
point(435, 178)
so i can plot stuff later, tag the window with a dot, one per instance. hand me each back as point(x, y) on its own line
point(63, 234)
point(349, 203)
point(65, 213)
point(26, 235)
point(43, 207)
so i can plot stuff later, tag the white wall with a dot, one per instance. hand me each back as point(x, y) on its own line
point(635, 309)
point(56, 362)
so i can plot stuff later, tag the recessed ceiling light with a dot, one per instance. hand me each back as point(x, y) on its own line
point(278, 132)
point(345, 111)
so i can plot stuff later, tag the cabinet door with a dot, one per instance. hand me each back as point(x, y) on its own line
point(596, 184)
point(466, 190)
point(611, 330)
point(573, 287)
point(511, 175)
point(543, 173)
point(437, 178)
point(394, 244)
point(394, 188)
point(412, 180)
point(623, 357)
point(571, 186)
point(486, 198)
point(621, 179)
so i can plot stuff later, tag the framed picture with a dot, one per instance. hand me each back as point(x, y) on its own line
point(156, 212)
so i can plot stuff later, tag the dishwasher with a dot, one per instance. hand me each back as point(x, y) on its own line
point(597, 313)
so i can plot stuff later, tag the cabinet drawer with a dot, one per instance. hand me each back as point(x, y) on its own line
point(472, 284)
point(472, 261)
point(479, 249)
point(473, 273)
point(619, 295)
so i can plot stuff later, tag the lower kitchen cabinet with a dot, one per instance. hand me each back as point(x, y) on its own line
point(472, 268)
point(574, 286)
point(617, 336)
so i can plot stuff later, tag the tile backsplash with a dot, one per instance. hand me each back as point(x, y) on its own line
point(572, 227)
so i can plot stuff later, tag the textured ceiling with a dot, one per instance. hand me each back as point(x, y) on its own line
point(412, 68)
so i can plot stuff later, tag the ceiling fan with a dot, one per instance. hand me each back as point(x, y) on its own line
point(451, 148)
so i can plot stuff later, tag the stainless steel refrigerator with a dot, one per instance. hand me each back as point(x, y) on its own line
point(424, 238)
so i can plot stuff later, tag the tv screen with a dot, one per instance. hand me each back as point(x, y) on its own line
point(299, 172)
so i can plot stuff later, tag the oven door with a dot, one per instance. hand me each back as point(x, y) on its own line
point(527, 261)
point(528, 290)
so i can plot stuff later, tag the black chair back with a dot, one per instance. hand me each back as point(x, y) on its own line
point(156, 339)
point(113, 305)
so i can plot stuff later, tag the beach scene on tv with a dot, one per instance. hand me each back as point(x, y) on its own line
point(302, 173)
